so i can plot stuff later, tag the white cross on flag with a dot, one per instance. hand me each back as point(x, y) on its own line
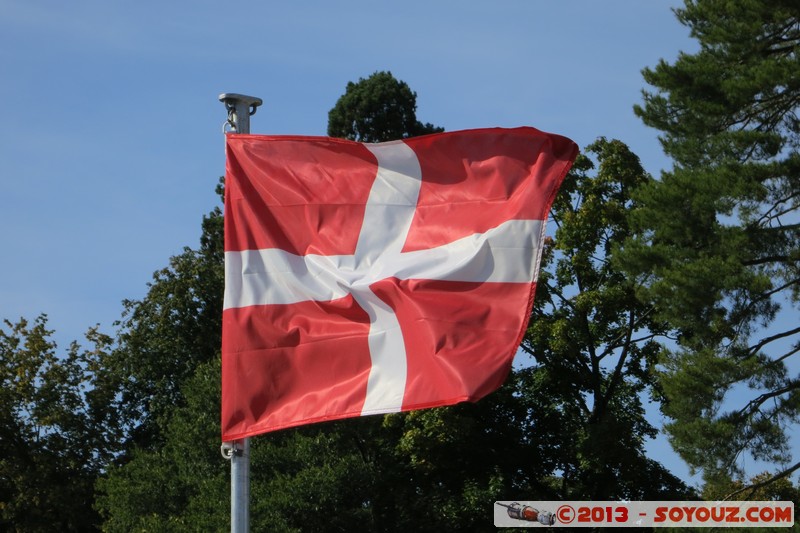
point(377, 278)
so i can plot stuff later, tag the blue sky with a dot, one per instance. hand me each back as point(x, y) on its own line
point(111, 141)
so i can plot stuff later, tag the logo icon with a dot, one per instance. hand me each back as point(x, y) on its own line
point(527, 513)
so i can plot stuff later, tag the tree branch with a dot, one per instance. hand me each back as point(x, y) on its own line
point(754, 487)
point(617, 375)
point(753, 349)
point(767, 259)
point(755, 403)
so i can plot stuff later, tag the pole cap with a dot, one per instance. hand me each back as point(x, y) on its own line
point(234, 98)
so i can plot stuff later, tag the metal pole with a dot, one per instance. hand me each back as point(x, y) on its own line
point(239, 107)
point(238, 453)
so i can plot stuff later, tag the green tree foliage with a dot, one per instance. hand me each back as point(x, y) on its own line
point(164, 337)
point(718, 237)
point(182, 484)
point(376, 109)
point(594, 342)
point(56, 431)
point(170, 475)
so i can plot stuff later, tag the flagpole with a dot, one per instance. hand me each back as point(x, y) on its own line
point(240, 108)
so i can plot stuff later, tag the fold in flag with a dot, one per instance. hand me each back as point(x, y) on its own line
point(377, 278)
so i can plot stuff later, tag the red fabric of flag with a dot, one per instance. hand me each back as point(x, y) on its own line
point(376, 278)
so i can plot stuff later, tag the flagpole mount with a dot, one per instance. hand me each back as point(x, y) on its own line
point(240, 108)
point(232, 449)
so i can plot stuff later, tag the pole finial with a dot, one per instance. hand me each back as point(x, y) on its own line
point(240, 107)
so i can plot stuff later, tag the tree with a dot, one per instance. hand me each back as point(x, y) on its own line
point(376, 109)
point(166, 369)
point(55, 426)
point(166, 336)
point(594, 342)
point(718, 240)
point(181, 484)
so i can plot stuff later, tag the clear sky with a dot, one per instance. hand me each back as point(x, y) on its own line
point(111, 137)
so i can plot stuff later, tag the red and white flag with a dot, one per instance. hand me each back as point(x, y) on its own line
point(377, 278)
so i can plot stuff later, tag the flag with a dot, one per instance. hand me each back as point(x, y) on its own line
point(377, 278)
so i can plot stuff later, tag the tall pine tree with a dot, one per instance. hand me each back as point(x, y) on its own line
point(718, 243)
